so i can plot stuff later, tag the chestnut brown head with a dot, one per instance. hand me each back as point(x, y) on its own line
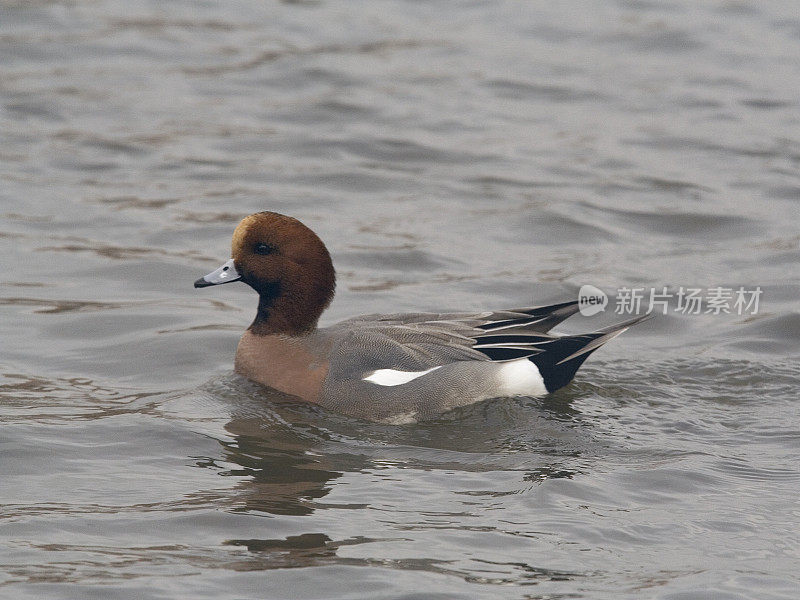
point(289, 267)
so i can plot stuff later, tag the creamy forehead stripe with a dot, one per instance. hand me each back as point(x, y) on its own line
point(392, 377)
point(240, 231)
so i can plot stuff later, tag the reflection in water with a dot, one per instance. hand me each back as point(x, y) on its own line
point(282, 477)
point(287, 457)
point(544, 473)
point(315, 549)
point(304, 550)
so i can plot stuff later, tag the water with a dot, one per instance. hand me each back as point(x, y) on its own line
point(453, 156)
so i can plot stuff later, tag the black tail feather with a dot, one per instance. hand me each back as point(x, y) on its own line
point(554, 364)
point(538, 319)
point(562, 357)
point(557, 357)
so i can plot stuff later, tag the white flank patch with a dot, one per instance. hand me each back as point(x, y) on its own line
point(393, 377)
point(521, 378)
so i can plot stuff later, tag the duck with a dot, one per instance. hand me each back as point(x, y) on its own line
point(395, 368)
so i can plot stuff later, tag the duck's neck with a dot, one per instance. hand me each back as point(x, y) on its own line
point(281, 312)
point(267, 321)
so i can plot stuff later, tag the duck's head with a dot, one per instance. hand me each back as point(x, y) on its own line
point(287, 264)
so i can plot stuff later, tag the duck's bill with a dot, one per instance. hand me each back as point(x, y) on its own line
point(225, 274)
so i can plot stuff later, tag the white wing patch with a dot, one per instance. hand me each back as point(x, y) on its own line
point(521, 378)
point(391, 377)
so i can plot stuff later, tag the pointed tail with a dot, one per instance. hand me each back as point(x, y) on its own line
point(560, 358)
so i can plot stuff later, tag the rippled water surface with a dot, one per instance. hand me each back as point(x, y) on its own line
point(459, 156)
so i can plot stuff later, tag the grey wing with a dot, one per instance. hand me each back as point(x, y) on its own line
point(358, 351)
point(534, 319)
point(416, 347)
point(421, 341)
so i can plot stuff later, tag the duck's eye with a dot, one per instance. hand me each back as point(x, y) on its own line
point(262, 248)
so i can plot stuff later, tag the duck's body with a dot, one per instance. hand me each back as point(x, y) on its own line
point(389, 368)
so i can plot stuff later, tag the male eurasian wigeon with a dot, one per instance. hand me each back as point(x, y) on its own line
point(397, 368)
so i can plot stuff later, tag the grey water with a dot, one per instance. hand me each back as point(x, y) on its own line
point(453, 156)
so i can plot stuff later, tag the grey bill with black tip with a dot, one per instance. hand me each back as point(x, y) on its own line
point(227, 273)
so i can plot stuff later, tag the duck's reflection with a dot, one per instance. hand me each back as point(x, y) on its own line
point(282, 475)
point(288, 457)
point(306, 549)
